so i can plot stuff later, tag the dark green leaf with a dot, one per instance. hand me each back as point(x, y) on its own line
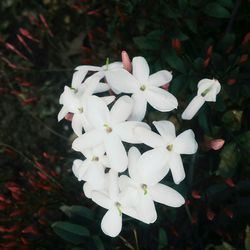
point(216, 10)
point(163, 239)
point(229, 159)
point(78, 211)
point(71, 232)
point(98, 242)
point(175, 61)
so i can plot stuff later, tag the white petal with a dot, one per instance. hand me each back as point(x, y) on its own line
point(62, 113)
point(87, 189)
point(102, 199)
point(89, 139)
point(78, 77)
point(140, 107)
point(148, 137)
point(161, 99)
point(85, 122)
point(185, 143)
point(77, 124)
point(79, 168)
point(95, 176)
point(166, 130)
point(88, 68)
point(133, 157)
point(112, 66)
point(112, 222)
point(140, 69)
point(70, 100)
point(152, 166)
point(160, 78)
point(97, 112)
point(146, 208)
point(91, 83)
point(121, 109)
point(166, 195)
point(124, 182)
point(108, 99)
point(116, 152)
point(101, 87)
point(126, 131)
point(177, 169)
point(122, 81)
point(113, 188)
point(193, 107)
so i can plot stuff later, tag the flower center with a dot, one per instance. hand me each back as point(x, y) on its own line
point(143, 87)
point(170, 147)
point(144, 188)
point(108, 128)
point(80, 110)
point(119, 208)
point(205, 92)
point(95, 158)
point(75, 90)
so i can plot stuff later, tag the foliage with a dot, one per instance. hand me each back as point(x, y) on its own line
point(41, 43)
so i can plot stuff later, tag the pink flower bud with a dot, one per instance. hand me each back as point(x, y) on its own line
point(126, 61)
point(216, 144)
point(69, 117)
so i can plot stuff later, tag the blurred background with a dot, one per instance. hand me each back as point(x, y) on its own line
point(42, 205)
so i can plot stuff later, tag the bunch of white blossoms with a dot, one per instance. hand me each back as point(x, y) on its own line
point(128, 182)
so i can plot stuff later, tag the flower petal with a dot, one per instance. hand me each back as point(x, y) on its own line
point(122, 81)
point(140, 107)
point(63, 112)
point(79, 168)
point(166, 195)
point(91, 83)
point(97, 112)
point(133, 157)
point(77, 78)
point(160, 99)
point(121, 109)
point(209, 88)
point(176, 167)
point(102, 200)
point(193, 107)
point(185, 143)
point(89, 139)
point(113, 188)
point(160, 78)
point(112, 222)
point(108, 99)
point(148, 137)
point(88, 68)
point(87, 189)
point(146, 208)
point(116, 152)
point(95, 176)
point(126, 131)
point(166, 130)
point(140, 69)
point(77, 124)
point(152, 167)
point(101, 87)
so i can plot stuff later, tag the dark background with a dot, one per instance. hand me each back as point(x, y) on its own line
point(41, 42)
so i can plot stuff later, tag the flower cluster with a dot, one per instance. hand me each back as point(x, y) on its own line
point(128, 182)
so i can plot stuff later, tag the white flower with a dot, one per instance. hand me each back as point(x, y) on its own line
point(144, 87)
point(207, 92)
point(74, 101)
point(169, 145)
point(146, 171)
point(92, 168)
point(81, 71)
point(113, 201)
point(110, 128)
